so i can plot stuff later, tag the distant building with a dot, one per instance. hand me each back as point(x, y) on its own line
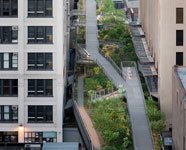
point(132, 9)
point(163, 22)
point(179, 108)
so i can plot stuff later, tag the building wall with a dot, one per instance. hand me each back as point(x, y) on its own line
point(158, 19)
point(178, 113)
point(58, 49)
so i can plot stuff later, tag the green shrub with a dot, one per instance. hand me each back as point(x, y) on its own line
point(113, 123)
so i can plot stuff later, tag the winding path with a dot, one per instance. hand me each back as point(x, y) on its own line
point(140, 127)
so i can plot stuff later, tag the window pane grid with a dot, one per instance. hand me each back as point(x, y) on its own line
point(39, 61)
point(40, 113)
point(39, 8)
point(8, 35)
point(8, 8)
point(8, 113)
point(40, 35)
point(40, 87)
point(9, 87)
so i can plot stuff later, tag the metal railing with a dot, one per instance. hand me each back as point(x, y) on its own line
point(82, 128)
point(103, 93)
point(109, 59)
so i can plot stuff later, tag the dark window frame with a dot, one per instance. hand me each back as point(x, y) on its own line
point(12, 8)
point(10, 87)
point(35, 65)
point(40, 88)
point(10, 61)
point(37, 37)
point(10, 113)
point(9, 35)
point(179, 37)
point(179, 58)
point(36, 12)
point(179, 15)
point(35, 117)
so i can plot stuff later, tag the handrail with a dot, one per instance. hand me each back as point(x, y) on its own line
point(103, 93)
point(118, 69)
point(133, 64)
point(88, 142)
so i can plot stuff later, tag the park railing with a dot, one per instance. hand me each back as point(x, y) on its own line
point(103, 93)
point(82, 127)
point(109, 59)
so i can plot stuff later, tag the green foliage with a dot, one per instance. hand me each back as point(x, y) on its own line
point(108, 6)
point(112, 121)
point(91, 84)
point(156, 117)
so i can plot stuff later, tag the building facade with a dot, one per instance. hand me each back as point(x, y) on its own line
point(164, 23)
point(33, 43)
point(179, 108)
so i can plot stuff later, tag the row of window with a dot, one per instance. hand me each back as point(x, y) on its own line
point(36, 8)
point(36, 61)
point(179, 35)
point(36, 87)
point(36, 35)
point(36, 114)
point(29, 137)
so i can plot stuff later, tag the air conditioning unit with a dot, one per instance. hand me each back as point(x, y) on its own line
point(32, 147)
point(14, 28)
point(14, 107)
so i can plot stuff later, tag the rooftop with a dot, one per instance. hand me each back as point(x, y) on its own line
point(182, 75)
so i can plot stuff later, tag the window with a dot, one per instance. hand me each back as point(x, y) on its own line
point(8, 8)
point(179, 37)
point(9, 137)
point(40, 35)
point(8, 61)
point(39, 61)
point(40, 114)
point(9, 113)
point(179, 58)
point(40, 87)
point(179, 15)
point(39, 8)
point(40, 137)
point(8, 35)
point(8, 87)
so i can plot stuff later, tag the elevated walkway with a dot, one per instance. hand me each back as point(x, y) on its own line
point(141, 131)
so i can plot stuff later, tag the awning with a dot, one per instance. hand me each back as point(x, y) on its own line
point(148, 70)
point(61, 146)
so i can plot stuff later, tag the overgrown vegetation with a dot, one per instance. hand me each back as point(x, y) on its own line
point(114, 37)
point(112, 121)
point(95, 80)
point(116, 42)
point(157, 121)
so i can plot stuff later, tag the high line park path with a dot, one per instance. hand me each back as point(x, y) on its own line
point(141, 132)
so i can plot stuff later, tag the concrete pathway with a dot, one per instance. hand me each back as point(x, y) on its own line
point(85, 117)
point(80, 100)
point(137, 111)
point(140, 128)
